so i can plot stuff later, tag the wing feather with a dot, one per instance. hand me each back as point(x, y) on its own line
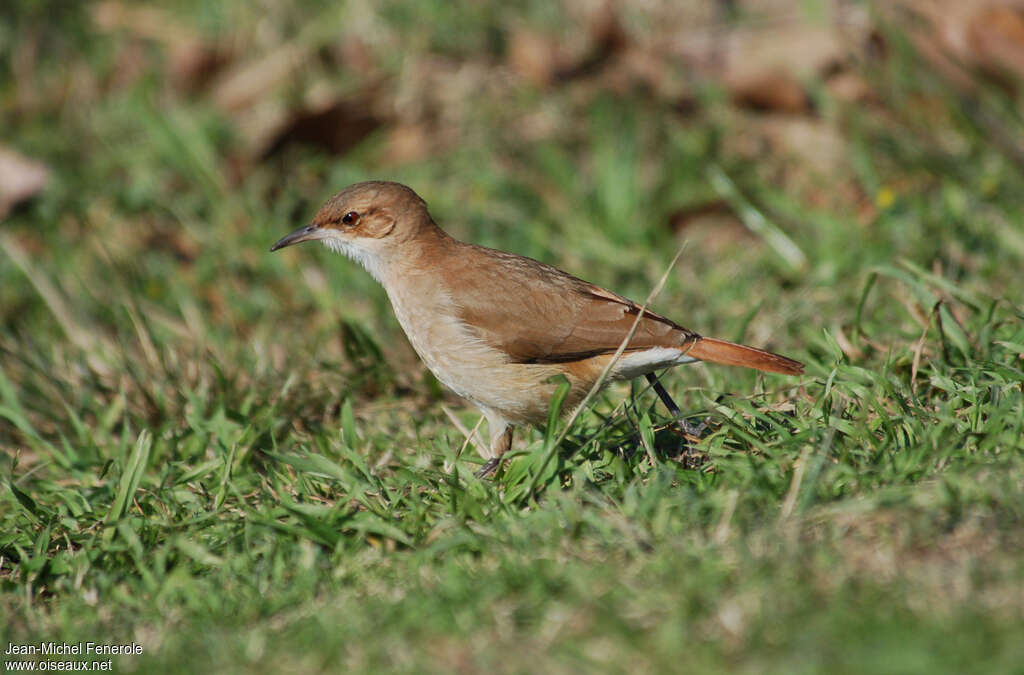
point(538, 314)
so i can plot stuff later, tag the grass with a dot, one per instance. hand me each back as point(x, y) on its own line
point(235, 460)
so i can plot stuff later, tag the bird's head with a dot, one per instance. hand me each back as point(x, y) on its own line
point(366, 222)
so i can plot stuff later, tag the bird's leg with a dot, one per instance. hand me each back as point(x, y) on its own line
point(684, 424)
point(501, 441)
point(688, 458)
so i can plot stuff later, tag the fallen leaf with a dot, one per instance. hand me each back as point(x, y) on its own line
point(995, 37)
point(407, 143)
point(608, 39)
point(773, 90)
point(543, 60)
point(249, 82)
point(151, 23)
point(336, 127)
point(533, 57)
point(850, 87)
point(687, 216)
point(193, 64)
point(325, 117)
point(712, 226)
point(21, 178)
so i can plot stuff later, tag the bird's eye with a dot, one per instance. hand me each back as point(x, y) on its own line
point(350, 218)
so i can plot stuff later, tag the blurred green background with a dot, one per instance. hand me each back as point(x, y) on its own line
point(236, 460)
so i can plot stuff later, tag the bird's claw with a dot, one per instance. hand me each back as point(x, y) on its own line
point(489, 467)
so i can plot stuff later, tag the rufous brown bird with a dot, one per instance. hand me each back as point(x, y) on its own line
point(497, 327)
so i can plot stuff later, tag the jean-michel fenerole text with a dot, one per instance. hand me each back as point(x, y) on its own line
point(71, 648)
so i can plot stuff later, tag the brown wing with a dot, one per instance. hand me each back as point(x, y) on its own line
point(539, 314)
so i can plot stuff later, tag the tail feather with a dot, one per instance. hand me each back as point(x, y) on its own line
point(732, 354)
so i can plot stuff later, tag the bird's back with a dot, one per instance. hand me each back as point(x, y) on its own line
point(537, 313)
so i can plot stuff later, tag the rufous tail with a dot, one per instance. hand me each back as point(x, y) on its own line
point(732, 354)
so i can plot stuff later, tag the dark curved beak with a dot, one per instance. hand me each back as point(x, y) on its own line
point(302, 234)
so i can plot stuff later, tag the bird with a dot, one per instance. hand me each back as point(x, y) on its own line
point(499, 329)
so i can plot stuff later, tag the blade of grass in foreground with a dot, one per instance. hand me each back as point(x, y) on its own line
point(138, 460)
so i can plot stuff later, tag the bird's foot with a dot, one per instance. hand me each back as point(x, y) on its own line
point(694, 431)
point(489, 467)
point(689, 456)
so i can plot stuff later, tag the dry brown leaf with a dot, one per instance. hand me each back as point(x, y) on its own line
point(325, 118)
point(806, 152)
point(852, 351)
point(336, 127)
point(995, 37)
point(765, 65)
point(151, 23)
point(698, 214)
point(607, 40)
point(21, 178)
point(850, 87)
point(711, 227)
point(407, 143)
point(957, 36)
point(533, 57)
point(772, 90)
point(544, 60)
point(193, 64)
point(250, 82)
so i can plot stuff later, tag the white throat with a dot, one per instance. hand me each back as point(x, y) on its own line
point(370, 261)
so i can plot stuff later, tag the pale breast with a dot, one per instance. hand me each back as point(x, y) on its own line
point(463, 362)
